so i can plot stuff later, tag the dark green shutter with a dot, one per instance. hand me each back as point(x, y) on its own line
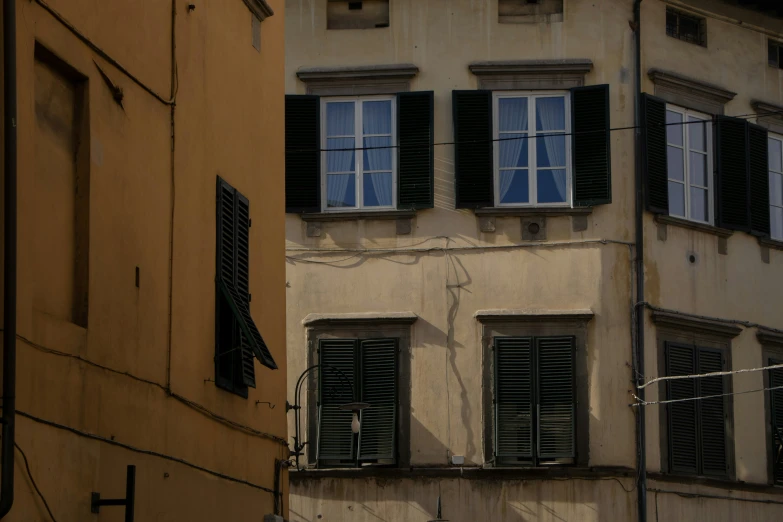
point(473, 162)
point(513, 397)
point(302, 154)
point(758, 144)
point(243, 282)
point(336, 377)
point(556, 398)
point(415, 160)
point(731, 139)
point(377, 438)
point(592, 161)
point(655, 170)
point(682, 419)
point(712, 417)
point(776, 418)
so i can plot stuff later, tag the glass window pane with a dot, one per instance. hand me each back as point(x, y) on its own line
point(774, 155)
point(340, 118)
point(377, 116)
point(341, 190)
point(773, 54)
point(551, 186)
point(341, 160)
point(513, 152)
point(697, 133)
point(550, 151)
point(776, 189)
point(777, 222)
point(676, 199)
point(698, 169)
point(673, 131)
point(699, 204)
point(514, 186)
point(377, 153)
point(378, 189)
point(512, 114)
point(676, 162)
point(550, 114)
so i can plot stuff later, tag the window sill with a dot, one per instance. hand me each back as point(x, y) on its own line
point(702, 227)
point(771, 243)
point(532, 211)
point(320, 217)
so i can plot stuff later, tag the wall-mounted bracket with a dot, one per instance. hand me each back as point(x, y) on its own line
point(129, 500)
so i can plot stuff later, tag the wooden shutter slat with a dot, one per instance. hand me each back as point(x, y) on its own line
point(473, 165)
point(242, 211)
point(514, 397)
point(337, 365)
point(682, 420)
point(712, 418)
point(758, 171)
point(654, 161)
point(731, 139)
point(377, 438)
point(302, 154)
point(592, 163)
point(556, 398)
point(415, 160)
point(776, 418)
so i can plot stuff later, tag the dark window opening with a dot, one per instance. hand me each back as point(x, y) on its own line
point(530, 11)
point(775, 54)
point(366, 14)
point(686, 27)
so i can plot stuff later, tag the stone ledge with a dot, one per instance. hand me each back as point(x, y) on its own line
point(350, 216)
point(396, 71)
point(527, 315)
point(696, 94)
point(531, 74)
point(259, 8)
point(771, 243)
point(532, 211)
point(701, 227)
point(725, 484)
point(767, 336)
point(363, 318)
point(687, 322)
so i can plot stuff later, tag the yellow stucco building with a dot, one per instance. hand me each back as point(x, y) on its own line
point(150, 296)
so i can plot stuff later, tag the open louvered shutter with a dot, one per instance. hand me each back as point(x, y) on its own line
point(758, 171)
point(514, 397)
point(731, 140)
point(415, 160)
point(776, 417)
point(302, 155)
point(556, 398)
point(473, 148)
point(337, 375)
point(655, 170)
point(243, 283)
point(377, 438)
point(682, 420)
point(712, 415)
point(592, 158)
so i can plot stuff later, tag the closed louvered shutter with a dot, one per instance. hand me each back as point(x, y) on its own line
point(758, 171)
point(712, 417)
point(732, 166)
point(654, 161)
point(682, 418)
point(337, 374)
point(776, 417)
point(302, 155)
point(556, 397)
point(514, 397)
point(473, 164)
point(415, 136)
point(591, 146)
point(377, 437)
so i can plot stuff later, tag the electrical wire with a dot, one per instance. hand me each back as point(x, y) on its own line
point(716, 497)
point(711, 374)
point(34, 483)
point(652, 403)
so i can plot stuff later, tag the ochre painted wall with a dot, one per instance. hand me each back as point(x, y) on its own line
point(229, 122)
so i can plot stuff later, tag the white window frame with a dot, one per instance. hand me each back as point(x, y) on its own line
point(779, 139)
point(359, 145)
point(532, 167)
point(687, 113)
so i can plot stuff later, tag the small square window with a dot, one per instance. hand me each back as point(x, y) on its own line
point(365, 14)
point(775, 54)
point(687, 27)
point(530, 11)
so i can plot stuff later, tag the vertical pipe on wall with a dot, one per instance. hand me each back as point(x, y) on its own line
point(9, 259)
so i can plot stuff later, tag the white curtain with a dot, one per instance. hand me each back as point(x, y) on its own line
point(339, 122)
point(513, 117)
point(377, 121)
point(550, 113)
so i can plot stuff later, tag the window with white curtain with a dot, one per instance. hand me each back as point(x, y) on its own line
point(359, 162)
point(776, 186)
point(532, 150)
point(689, 158)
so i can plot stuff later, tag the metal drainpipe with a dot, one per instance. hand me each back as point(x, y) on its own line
point(9, 275)
point(641, 438)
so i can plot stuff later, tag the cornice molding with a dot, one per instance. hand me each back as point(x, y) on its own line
point(259, 8)
point(685, 322)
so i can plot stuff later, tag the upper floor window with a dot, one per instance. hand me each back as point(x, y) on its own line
point(531, 153)
point(357, 14)
point(775, 54)
point(685, 26)
point(776, 186)
point(689, 157)
point(530, 11)
point(359, 170)
point(776, 419)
